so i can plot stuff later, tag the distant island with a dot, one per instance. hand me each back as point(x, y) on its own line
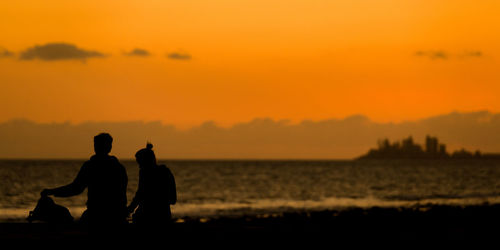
point(408, 149)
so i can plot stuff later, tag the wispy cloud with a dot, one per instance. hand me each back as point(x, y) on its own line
point(179, 56)
point(138, 52)
point(5, 53)
point(433, 54)
point(445, 55)
point(58, 51)
point(471, 53)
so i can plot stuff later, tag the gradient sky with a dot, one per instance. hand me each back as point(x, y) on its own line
point(232, 61)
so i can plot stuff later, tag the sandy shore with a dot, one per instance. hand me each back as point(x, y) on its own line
point(418, 224)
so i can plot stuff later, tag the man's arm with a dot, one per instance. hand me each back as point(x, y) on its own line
point(76, 187)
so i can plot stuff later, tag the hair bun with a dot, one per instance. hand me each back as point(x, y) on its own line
point(149, 146)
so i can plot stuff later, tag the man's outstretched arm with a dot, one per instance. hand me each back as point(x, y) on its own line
point(75, 188)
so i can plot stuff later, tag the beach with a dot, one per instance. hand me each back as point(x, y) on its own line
point(417, 225)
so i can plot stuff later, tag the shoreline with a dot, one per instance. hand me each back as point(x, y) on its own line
point(183, 212)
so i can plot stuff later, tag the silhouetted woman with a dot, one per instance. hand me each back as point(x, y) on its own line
point(156, 191)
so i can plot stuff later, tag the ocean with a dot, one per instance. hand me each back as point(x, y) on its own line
point(233, 188)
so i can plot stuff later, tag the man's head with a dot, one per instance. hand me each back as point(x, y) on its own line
point(102, 143)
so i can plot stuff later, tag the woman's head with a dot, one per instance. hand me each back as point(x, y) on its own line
point(146, 156)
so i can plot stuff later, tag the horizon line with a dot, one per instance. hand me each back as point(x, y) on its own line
point(180, 159)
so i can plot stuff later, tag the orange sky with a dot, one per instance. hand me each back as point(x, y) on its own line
point(283, 59)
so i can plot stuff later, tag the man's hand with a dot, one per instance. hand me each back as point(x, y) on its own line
point(45, 192)
point(130, 210)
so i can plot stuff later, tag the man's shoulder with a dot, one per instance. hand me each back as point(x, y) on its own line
point(103, 160)
point(113, 158)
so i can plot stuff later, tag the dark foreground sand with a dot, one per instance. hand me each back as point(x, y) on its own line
point(415, 225)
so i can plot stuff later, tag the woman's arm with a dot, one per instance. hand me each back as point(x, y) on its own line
point(139, 194)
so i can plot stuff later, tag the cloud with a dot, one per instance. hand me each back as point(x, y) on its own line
point(444, 55)
point(472, 53)
point(433, 54)
point(5, 53)
point(138, 52)
point(58, 51)
point(179, 56)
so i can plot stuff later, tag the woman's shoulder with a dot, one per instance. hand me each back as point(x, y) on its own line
point(164, 169)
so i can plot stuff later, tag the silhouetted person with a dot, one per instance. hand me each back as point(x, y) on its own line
point(156, 191)
point(106, 180)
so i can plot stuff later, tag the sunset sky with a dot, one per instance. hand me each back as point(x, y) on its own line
point(189, 61)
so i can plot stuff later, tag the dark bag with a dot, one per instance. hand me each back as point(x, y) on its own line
point(47, 210)
point(169, 184)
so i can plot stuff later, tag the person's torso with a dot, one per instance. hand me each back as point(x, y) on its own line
point(156, 184)
point(107, 184)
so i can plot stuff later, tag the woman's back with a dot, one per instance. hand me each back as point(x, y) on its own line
point(155, 194)
point(156, 190)
point(158, 187)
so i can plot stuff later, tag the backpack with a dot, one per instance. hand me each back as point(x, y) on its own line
point(47, 210)
point(169, 188)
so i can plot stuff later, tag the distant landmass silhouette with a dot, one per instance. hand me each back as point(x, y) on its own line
point(408, 149)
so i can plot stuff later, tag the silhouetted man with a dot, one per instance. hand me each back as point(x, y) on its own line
point(106, 180)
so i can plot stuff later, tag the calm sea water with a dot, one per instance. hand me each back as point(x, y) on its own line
point(235, 188)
